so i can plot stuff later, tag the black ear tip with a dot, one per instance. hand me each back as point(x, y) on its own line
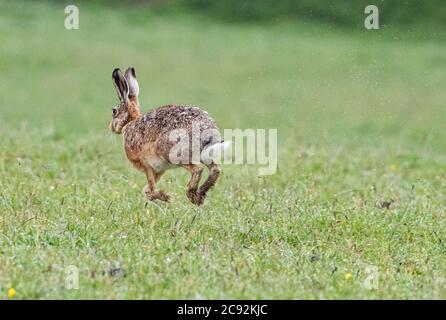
point(116, 72)
point(132, 71)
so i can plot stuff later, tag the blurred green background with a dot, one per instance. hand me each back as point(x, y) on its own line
point(360, 119)
point(339, 13)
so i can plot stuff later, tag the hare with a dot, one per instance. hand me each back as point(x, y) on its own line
point(149, 139)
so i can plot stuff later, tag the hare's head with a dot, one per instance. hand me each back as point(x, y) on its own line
point(128, 107)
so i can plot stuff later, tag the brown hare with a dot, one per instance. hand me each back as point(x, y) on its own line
point(151, 139)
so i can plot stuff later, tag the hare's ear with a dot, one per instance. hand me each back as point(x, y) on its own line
point(130, 75)
point(122, 87)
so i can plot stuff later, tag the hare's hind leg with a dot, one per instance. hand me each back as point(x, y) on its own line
point(214, 173)
point(149, 190)
point(192, 186)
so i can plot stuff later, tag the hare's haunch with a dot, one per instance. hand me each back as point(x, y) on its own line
point(165, 138)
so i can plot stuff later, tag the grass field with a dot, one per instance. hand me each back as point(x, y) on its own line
point(360, 119)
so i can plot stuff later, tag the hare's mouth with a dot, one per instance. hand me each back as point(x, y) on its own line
point(112, 127)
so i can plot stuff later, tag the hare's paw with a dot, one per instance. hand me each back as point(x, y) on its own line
point(163, 196)
point(199, 199)
point(195, 197)
point(156, 195)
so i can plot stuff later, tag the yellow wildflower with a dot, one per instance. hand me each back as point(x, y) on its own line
point(11, 293)
point(348, 276)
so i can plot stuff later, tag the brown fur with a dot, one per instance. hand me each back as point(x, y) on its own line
point(147, 144)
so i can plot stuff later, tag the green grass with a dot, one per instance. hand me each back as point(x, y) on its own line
point(360, 121)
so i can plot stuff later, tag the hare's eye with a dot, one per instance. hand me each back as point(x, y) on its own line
point(115, 111)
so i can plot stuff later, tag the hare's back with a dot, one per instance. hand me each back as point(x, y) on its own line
point(173, 117)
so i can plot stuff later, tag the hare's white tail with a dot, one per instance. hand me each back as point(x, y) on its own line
point(217, 152)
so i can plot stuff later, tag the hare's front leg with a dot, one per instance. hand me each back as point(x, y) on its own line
point(192, 186)
point(149, 190)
